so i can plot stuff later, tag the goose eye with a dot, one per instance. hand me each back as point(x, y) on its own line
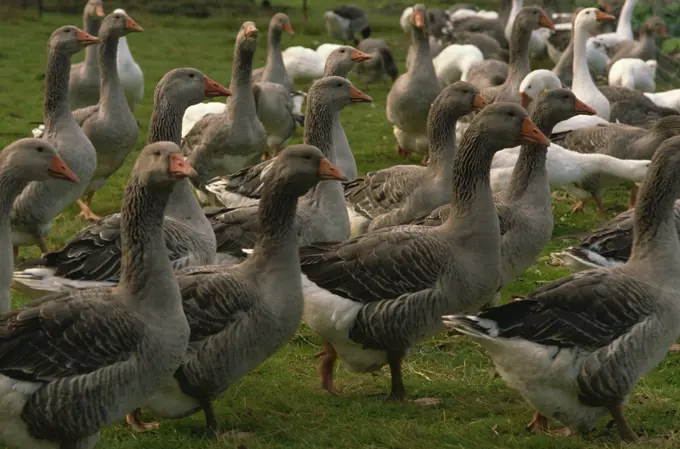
point(67, 30)
point(39, 149)
point(191, 75)
point(117, 16)
point(157, 153)
point(339, 85)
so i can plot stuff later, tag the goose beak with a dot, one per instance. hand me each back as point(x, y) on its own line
point(328, 171)
point(531, 134)
point(59, 170)
point(419, 19)
point(86, 39)
point(546, 22)
point(358, 56)
point(99, 10)
point(524, 100)
point(478, 102)
point(288, 28)
point(251, 31)
point(179, 168)
point(600, 16)
point(582, 108)
point(131, 25)
point(358, 96)
point(214, 89)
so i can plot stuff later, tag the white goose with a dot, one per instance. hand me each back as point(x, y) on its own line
point(624, 27)
point(633, 73)
point(129, 72)
point(583, 85)
point(453, 63)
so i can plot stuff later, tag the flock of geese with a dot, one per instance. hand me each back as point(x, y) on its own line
point(165, 305)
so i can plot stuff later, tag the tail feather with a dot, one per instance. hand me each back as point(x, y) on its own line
point(472, 326)
point(40, 281)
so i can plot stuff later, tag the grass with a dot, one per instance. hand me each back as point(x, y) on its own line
point(280, 405)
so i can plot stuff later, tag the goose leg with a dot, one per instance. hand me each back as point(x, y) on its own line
point(633, 195)
point(626, 432)
point(135, 421)
point(328, 358)
point(86, 213)
point(579, 206)
point(398, 390)
point(600, 206)
point(538, 425)
point(403, 153)
point(210, 418)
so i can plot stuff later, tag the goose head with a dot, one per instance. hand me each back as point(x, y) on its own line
point(337, 91)
point(419, 20)
point(535, 83)
point(246, 39)
point(459, 98)
point(188, 86)
point(281, 22)
point(70, 40)
point(36, 160)
point(344, 58)
point(301, 167)
point(162, 164)
point(561, 104)
point(654, 26)
point(589, 19)
point(533, 18)
point(119, 24)
point(95, 9)
point(506, 125)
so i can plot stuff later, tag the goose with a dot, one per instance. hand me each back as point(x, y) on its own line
point(624, 27)
point(255, 307)
point(303, 63)
point(539, 37)
point(409, 100)
point(109, 124)
point(39, 203)
point(274, 71)
point(645, 48)
point(394, 195)
point(489, 46)
point(479, 23)
point(583, 85)
point(454, 62)
point(381, 63)
point(363, 296)
point(57, 392)
point(608, 245)
point(93, 258)
point(129, 72)
point(633, 73)
point(436, 45)
point(528, 19)
point(21, 162)
point(632, 107)
point(242, 188)
point(83, 83)
point(576, 347)
point(321, 215)
point(668, 99)
point(622, 141)
point(222, 143)
point(596, 55)
point(346, 22)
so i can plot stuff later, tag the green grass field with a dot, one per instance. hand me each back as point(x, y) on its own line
point(280, 405)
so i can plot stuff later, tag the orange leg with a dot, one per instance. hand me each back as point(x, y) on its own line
point(539, 424)
point(328, 358)
point(86, 213)
point(579, 206)
point(135, 421)
point(633, 195)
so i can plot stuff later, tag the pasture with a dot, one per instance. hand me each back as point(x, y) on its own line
point(280, 405)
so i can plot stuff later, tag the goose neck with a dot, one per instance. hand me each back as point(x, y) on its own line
point(10, 186)
point(110, 88)
point(56, 106)
point(145, 257)
point(91, 26)
point(442, 134)
point(274, 55)
point(166, 121)
point(319, 120)
point(518, 62)
point(334, 67)
point(277, 243)
point(421, 44)
point(241, 81)
point(624, 27)
point(581, 73)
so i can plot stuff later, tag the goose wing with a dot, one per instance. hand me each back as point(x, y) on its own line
point(587, 310)
point(235, 228)
point(83, 114)
point(383, 264)
point(381, 191)
point(67, 334)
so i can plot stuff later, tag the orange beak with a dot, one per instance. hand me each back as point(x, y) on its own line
point(179, 168)
point(531, 134)
point(358, 96)
point(131, 25)
point(478, 102)
point(600, 16)
point(59, 170)
point(288, 28)
point(546, 22)
point(86, 39)
point(328, 171)
point(214, 89)
point(582, 108)
point(251, 31)
point(419, 19)
point(99, 10)
point(358, 56)
point(524, 100)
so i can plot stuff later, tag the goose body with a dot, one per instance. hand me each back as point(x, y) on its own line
point(634, 74)
point(624, 27)
point(83, 83)
point(455, 61)
point(668, 99)
point(576, 347)
point(303, 63)
point(93, 256)
point(130, 74)
point(346, 23)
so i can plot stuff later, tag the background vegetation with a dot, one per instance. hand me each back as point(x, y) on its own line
point(280, 405)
